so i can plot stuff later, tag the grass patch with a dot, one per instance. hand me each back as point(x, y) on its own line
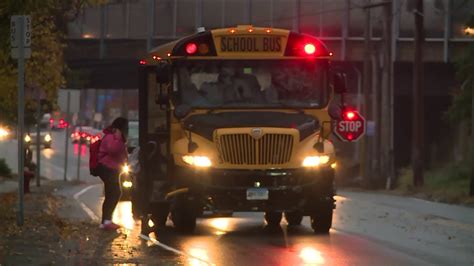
point(448, 183)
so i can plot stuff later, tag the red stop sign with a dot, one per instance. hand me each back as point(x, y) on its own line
point(351, 127)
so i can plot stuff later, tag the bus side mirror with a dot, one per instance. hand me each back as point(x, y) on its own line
point(340, 83)
point(163, 73)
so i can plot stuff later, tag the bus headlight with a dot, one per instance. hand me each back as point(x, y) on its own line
point(27, 138)
point(314, 161)
point(198, 161)
point(47, 138)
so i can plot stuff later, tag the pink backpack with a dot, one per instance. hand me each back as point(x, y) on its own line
point(94, 157)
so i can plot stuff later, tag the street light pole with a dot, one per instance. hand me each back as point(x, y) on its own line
point(38, 137)
point(366, 91)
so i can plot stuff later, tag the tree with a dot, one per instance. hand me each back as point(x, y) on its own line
point(46, 68)
point(462, 108)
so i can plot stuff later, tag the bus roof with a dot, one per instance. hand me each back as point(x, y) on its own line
point(241, 42)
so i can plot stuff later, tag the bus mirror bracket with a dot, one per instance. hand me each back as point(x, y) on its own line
point(163, 73)
point(340, 83)
point(162, 98)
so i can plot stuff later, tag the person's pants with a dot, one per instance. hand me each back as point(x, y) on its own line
point(112, 191)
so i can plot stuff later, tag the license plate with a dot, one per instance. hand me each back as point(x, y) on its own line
point(257, 194)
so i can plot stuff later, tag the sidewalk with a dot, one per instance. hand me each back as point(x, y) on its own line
point(438, 232)
point(45, 238)
point(8, 185)
point(423, 207)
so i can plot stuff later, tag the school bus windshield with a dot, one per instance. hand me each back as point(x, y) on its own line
point(255, 83)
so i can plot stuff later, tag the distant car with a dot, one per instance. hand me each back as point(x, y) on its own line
point(58, 124)
point(85, 135)
point(5, 132)
point(55, 123)
point(46, 139)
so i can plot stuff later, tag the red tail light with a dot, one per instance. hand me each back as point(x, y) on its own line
point(142, 62)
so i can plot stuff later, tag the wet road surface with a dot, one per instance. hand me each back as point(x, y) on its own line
point(243, 239)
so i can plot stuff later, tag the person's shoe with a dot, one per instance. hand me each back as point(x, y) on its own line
point(109, 226)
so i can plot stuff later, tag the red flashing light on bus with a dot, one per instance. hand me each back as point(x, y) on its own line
point(191, 48)
point(349, 115)
point(309, 48)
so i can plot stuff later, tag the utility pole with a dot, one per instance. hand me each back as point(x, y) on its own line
point(376, 105)
point(384, 128)
point(38, 137)
point(366, 90)
point(471, 188)
point(418, 101)
point(386, 114)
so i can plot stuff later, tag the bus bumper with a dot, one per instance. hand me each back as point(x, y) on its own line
point(263, 190)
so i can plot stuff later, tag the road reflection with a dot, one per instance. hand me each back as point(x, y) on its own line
point(123, 215)
point(311, 256)
point(221, 225)
point(218, 238)
point(199, 256)
point(48, 153)
point(197, 249)
point(83, 148)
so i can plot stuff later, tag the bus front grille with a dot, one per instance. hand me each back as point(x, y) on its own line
point(243, 149)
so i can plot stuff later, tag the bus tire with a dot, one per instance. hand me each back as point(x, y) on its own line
point(321, 221)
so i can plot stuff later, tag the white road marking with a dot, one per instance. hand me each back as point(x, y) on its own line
point(179, 252)
point(86, 209)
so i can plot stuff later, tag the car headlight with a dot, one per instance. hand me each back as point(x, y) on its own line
point(198, 161)
point(314, 161)
point(47, 138)
point(3, 132)
point(27, 138)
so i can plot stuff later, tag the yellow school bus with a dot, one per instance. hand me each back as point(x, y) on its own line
point(233, 120)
